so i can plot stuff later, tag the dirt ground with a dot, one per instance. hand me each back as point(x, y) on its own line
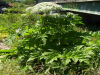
point(3, 46)
point(11, 4)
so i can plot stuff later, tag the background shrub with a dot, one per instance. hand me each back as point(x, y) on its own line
point(28, 2)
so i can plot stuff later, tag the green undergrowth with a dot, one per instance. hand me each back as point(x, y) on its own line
point(48, 45)
point(11, 67)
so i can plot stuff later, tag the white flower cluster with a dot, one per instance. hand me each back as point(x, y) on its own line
point(38, 24)
point(29, 9)
point(70, 13)
point(45, 7)
point(58, 15)
point(4, 9)
point(18, 30)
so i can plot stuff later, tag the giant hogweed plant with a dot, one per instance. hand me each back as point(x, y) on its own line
point(44, 7)
point(55, 44)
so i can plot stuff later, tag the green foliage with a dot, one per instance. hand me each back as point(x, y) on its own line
point(54, 43)
point(28, 2)
point(95, 61)
point(21, 5)
point(11, 67)
point(11, 22)
point(50, 44)
point(29, 19)
point(15, 10)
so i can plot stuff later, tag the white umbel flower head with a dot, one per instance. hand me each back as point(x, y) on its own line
point(70, 14)
point(4, 9)
point(45, 7)
point(29, 9)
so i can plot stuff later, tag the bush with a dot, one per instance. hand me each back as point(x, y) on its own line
point(28, 2)
point(10, 22)
point(55, 45)
point(15, 10)
point(29, 20)
point(21, 5)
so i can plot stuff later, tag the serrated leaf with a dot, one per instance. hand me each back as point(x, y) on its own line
point(94, 33)
point(81, 60)
point(75, 59)
point(23, 33)
point(79, 47)
point(31, 59)
point(30, 68)
point(86, 49)
point(44, 40)
point(87, 56)
point(66, 61)
point(51, 61)
point(43, 37)
point(47, 71)
point(46, 53)
point(20, 57)
point(87, 62)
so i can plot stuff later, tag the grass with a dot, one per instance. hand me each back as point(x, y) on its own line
point(3, 35)
point(80, 29)
point(11, 67)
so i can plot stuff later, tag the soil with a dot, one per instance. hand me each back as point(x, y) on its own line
point(11, 4)
point(3, 46)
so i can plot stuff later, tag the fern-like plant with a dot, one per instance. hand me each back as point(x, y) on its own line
point(54, 43)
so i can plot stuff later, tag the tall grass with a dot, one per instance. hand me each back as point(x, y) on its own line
point(10, 67)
